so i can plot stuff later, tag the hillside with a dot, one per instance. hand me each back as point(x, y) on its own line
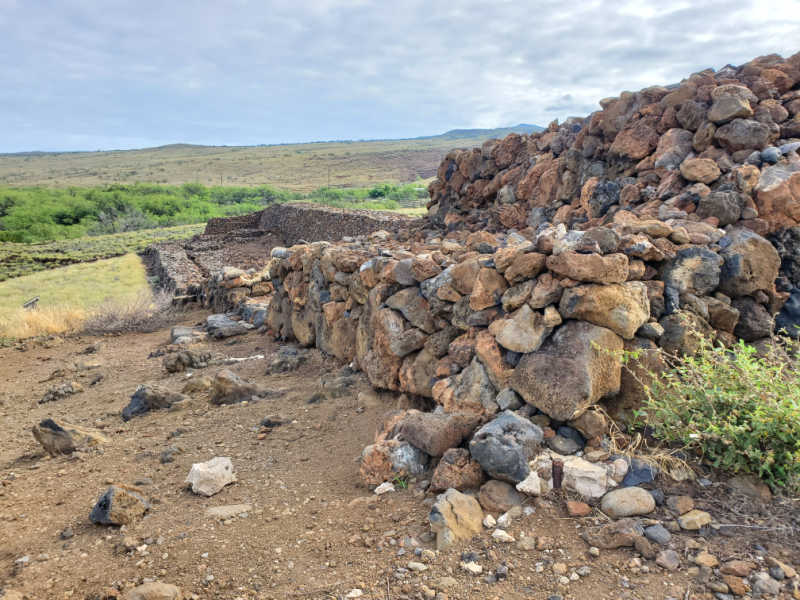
point(296, 167)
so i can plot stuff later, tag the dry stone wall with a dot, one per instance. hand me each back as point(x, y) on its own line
point(545, 255)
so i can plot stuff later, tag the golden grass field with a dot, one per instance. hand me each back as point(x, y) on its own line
point(68, 295)
point(296, 167)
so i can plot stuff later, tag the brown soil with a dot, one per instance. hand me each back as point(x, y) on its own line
point(314, 531)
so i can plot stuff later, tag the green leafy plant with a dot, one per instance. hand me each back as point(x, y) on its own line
point(400, 482)
point(738, 409)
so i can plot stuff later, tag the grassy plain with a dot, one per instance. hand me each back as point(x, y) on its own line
point(295, 167)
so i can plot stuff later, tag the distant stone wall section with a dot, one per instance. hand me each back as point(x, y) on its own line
point(219, 226)
point(311, 223)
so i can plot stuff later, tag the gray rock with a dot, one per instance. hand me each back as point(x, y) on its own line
point(147, 398)
point(754, 320)
point(504, 446)
point(658, 534)
point(640, 472)
point(562, 445)
point(771, 155)
point(695, 270)
point(764, 585)
point(668, 559)
point(222, 326)
point(508, 399)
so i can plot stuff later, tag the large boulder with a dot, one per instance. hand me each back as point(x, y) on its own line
point(454, 517)
point(622, 308)
point(703, 170)
point(754, 321)
point(504, 446)
point(470, 391)
point(751, 263)
point(414, 308)
point(742, 134)
point(576, 367)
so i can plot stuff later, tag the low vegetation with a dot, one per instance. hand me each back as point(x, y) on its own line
point(43, 228)
point(739, 410)
point(43, 214)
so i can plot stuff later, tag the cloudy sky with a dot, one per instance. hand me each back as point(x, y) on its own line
point(104, 74)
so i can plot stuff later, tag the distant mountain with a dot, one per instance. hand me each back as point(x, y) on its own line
point(497, 132)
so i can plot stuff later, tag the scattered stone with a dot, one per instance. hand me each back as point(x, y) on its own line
point(694, 520)
point(498, 496)
point(119, 505)
point(669, 560)
point(208, 478)
point(147, 398)
point(59, 437)
point(384, 488)
point(658, 534)
point(229, 388)
point(455, 516)
point(627, 502)
point(680, 504)
point(578, 509)
point(60, 392)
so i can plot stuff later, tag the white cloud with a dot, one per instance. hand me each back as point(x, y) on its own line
point(125, 72)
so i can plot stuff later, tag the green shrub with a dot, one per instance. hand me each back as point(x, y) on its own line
point(739, 410)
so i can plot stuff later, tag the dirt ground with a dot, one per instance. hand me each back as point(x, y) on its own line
point(314, 530)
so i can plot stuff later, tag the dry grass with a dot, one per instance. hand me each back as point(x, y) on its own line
point(109, 295)
point(144, 313)
point(51, 320)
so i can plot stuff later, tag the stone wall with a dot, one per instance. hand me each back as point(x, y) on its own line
point(311, 222)
point(544, 256)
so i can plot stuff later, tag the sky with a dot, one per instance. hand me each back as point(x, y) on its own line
point(118, 74)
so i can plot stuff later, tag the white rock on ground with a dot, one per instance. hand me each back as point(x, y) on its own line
point(209, 477)
point(383, 488)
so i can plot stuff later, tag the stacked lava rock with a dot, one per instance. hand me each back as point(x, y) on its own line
point(548, 254)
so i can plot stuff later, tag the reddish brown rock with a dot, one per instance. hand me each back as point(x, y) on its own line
point(612, 268)
point(488, 289)
point(435, 433)
point(703, 170)
point(457, 470)
point(622, 308)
